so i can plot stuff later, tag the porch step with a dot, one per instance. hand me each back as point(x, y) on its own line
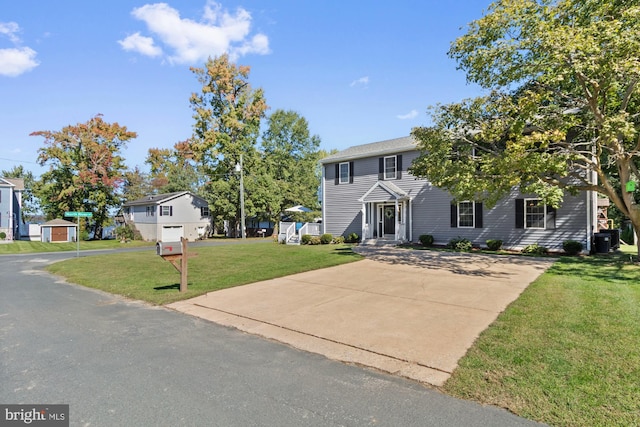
point(381, 242)
point(294, 240)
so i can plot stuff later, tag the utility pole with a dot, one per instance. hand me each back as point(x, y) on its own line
point(242, 218)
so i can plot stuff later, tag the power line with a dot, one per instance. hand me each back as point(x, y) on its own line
point(18, 161)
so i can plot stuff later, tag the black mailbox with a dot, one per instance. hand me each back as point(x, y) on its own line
point(168, 248)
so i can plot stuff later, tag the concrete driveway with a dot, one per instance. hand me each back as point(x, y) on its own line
point(411, 313)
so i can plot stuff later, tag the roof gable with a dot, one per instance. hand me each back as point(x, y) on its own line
point(157, 199)
point(390, 146)
point(58, 223)
point(16, 183)
point(389, 190)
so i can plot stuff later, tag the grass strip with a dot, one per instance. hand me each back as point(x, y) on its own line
point(23, 247)
point(146, 276)
point(567, 352)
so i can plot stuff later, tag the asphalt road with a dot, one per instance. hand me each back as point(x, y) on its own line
point(123, 363)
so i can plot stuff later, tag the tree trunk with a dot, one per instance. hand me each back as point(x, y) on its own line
point(97, 231)
point(634, 216)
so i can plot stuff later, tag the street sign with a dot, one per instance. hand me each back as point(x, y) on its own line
point(78, 214)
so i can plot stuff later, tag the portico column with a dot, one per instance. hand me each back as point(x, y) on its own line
point(409, 219)
point(364, 221)
point(397, 236)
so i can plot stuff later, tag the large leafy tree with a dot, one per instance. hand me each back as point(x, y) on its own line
point(136, 185)
point(30, 204)
point(227, 113)
point(174, 169)
point(561, 111)
point(291, 157)
point(86, 169)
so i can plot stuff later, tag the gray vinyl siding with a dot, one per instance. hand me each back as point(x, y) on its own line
point(431, 210)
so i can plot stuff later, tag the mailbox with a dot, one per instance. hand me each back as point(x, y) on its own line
point(168, 248)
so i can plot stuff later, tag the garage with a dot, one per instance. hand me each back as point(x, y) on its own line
point(171, 233)
point(58, 230)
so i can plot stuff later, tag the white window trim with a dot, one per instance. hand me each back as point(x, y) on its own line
point(473, 214)
point(346, 179)
point(167, 212)
point(544, 214)
point(395, 168)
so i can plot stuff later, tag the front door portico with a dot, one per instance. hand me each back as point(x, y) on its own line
point(386, 213)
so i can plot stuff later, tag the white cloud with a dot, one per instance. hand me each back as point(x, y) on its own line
point(362, 81)
point(410, 115)
point(189, 41)
point(10, 29)
point(17, 60)
point(144, 45)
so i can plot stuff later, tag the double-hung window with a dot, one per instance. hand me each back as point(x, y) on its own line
point(390, 167)
point(466, 215)
point(534, 215)
point(166, 210)
point(344, 173)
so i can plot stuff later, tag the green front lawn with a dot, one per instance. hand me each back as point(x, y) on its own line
point(567, 352)
point(146, 276)
point(23, 247)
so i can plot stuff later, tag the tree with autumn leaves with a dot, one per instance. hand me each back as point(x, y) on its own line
point(228, 113)
point(86, 169)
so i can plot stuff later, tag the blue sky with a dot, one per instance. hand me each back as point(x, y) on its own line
point(359, 72)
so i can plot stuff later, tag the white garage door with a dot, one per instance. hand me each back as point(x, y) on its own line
point(171, 233)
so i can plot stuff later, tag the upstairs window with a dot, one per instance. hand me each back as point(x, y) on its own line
point(204, 211)
point(390, 167)
point(166, 210)
point(344, 173)
point(151, 211)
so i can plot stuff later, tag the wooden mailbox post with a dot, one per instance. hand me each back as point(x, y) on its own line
point(176, 254)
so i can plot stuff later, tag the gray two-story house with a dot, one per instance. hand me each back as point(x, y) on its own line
point(168, 217)
point(366, 189)
point(10, 207)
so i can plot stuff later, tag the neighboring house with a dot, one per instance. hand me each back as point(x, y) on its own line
point(168, 217)
point(10, 206)
point(367, 190)
point(58, 230)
